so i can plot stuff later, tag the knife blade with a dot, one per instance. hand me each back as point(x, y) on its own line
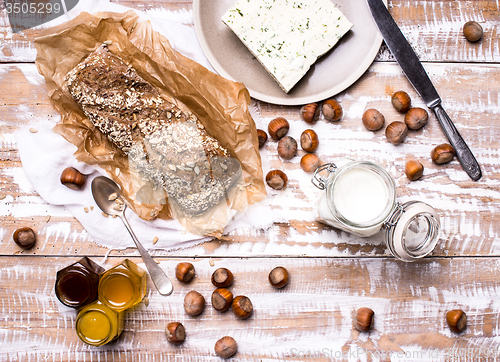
point(416, 74)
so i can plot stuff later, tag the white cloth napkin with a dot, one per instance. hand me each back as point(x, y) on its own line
point(45, 154)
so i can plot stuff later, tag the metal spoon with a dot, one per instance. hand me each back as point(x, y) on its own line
point(102, 188)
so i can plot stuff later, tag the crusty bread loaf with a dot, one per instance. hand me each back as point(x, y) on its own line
point(168, 147)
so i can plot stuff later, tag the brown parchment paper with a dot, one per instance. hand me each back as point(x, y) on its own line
point(220, 105)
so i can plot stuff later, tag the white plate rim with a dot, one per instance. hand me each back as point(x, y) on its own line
point(285, 99)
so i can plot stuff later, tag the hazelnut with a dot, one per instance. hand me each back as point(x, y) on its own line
point(184, 272)
point(310, 112)
point(363, 319)
point(222, 299)
point(278, 127)
point(72, 178)
point(310, 162)
point(278, 277)
point(24, 237)
point(176, 334)
point(373, 120)
point(242, 307)
point(287, 147)
point(262, 135)
point(473, 31)
point(309, 140)
point(226, 347)
point(396, 132)
point(222, 278)
point(276, 179)
point(414, 170)
point(416, 118)
point(194, 303)
point(442, 153)
point(457, 320)
point(332, 110)
point(401, 101)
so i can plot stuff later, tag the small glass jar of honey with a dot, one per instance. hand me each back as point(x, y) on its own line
point(97, 324)
point(122, 286)
point(76, 285)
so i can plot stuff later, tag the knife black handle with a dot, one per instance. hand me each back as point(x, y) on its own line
point(464, 154)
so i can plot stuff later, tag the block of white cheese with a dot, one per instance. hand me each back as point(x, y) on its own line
point(287, 36)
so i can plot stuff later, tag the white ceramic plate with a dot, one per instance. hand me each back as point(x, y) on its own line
point(330, 75)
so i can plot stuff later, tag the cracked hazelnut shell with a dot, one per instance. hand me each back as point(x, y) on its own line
point(457, 320)
point(442, 153)
point(24, 237)
point(276, 179)
point(363, 319)
point(332, 110)
point(396, 132)
point(416, 118)
point(401, 101)
point(414, 170)
point(473, 31)
point(72, 178)
point(226, 347)
point(309, 140)
point(176, 334)
point(222, 299)
point(194, 303)
point(373, 120)
point(278, 128)
point(310, 162)
point(287, 147)
point(278, 277)
point(242, 307)
point(262, 135)
point(310, 112)
point(222, 278)
point(184, 272)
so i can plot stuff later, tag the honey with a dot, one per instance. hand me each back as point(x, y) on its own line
point(76, 285)
point(119, 290)
point(100, 296)
point(122, 286)
point(97, 324)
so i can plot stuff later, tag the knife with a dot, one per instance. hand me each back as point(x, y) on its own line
point(418, 77)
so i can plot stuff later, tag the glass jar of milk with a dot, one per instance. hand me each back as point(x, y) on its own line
point(360, 199)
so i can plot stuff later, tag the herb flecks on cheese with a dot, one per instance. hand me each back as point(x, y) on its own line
point(287, 36)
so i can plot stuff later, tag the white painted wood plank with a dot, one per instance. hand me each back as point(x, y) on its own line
point(313, 313)
point(469, 209)
point(434, 28)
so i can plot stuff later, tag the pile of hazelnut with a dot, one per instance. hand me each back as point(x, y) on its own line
point(415, 118)
point(222, 299)
point(309, 140)
point(396, 132)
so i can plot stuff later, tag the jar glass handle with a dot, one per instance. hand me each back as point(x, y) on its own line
point(320, 181)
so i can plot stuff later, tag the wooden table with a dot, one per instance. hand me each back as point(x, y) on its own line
point(331, 274)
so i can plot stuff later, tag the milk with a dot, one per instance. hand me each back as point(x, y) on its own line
point(360, 196)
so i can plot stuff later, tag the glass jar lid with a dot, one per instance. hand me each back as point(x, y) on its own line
point(412, 231)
